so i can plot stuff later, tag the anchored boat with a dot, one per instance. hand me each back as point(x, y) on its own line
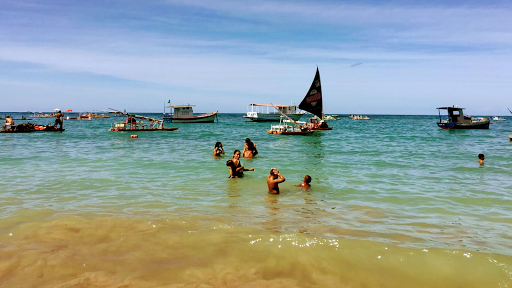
point(312, 103)
point(457, 120)
point(271, 112)
point(185, 114)
point(132, 125)
point(30, 127)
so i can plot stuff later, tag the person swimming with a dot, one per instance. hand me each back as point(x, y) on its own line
point(481, 159)
point(249, 149)
point(218, 149)
point(305, 182)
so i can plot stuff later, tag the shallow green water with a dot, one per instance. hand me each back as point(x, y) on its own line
point(394, 179)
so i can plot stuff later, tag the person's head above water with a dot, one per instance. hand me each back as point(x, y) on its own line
point(481, 156)
point(307, 179)
point(236, 154)
point(218, 144)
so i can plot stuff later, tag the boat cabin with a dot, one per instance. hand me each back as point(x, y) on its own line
point(269, 109)
point(455, 115)
point(183, 111)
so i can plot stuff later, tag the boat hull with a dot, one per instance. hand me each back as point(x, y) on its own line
point(452, 125)
point(140, 130)
point(204, 118)
point(30, 131)
point(290, 133)
point(262, 117)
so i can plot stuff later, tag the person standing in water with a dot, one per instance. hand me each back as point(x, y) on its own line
point(236, 169)
point(273, 180)
point(218, 149)
point(8, 122)
point(58, 119)
point(249, 149)
point(481, 159)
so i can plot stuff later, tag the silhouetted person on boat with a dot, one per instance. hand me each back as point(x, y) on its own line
point(58, 119)
point(218, 149)
point(249, 149)
point(236, 169)
point(305, 182)
point(273, 180)
point(131, 120)
point(481, 159)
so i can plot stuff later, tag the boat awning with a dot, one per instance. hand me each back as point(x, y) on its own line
point(450, 108)
point(181, 106)
point(270, 105)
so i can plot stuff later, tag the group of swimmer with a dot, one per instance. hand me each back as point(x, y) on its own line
point(236, 169)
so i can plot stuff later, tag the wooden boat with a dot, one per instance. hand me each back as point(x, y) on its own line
point(285, 129)
point(271, 112)
point(132, 125)
point(457, 120)
point(185, 114)
point(30, 127)
point(313, 104)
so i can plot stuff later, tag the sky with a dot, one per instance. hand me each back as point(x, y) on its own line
point(374, 57)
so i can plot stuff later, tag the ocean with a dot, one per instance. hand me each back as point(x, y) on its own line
point(395, 202)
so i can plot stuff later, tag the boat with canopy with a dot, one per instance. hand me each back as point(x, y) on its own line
point(457, 120)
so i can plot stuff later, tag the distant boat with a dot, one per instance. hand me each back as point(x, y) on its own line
point(496, 118)
point(271, 112)
point(185, 114)
point(285, 128)
point(312, 103)
point(457, 120)
point(132, 125)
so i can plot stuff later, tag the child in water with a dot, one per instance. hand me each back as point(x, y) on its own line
point(481, 158)
point(305, 182)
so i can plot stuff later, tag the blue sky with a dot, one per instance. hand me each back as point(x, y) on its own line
point(222, 55)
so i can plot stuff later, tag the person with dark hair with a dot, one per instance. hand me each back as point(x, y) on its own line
point(305, 182)
point(273, 179)
point(218, 149)
point(236, 169)
point(58, 119)
point(481, 159)
point(8, 122)
point(249, 149)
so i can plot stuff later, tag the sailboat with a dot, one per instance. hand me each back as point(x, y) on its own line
point(312, 103)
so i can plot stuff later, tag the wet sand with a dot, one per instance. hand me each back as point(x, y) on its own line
point(42, 248)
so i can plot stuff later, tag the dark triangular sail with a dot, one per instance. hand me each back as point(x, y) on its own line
point(312, 102)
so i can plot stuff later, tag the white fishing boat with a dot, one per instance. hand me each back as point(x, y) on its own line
point(185, 114)
point(497, 118)
point(269, 112)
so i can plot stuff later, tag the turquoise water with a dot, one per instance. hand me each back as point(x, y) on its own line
point(394, 179)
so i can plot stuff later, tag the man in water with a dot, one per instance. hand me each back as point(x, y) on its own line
point(58, 119)
point(273, 179)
